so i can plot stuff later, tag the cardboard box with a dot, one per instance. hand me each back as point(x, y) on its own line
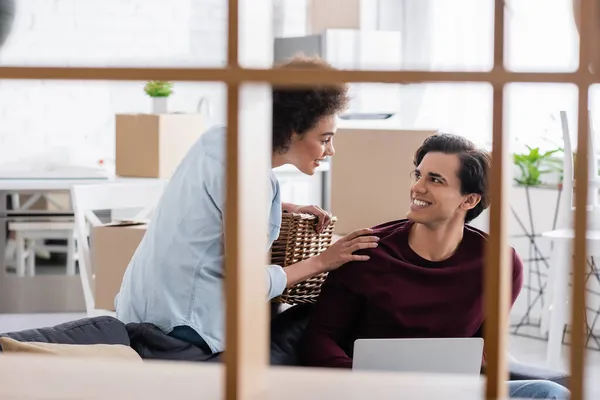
point(111, 248)
point(369, 187)
point(152, 146)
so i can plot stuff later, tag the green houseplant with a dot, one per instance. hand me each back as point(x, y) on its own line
point(159, 88)
point(159, 91)
point(533, 164)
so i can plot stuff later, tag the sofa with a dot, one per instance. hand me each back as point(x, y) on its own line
point(150, 343)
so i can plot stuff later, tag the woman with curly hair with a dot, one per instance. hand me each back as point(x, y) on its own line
point(175, 278)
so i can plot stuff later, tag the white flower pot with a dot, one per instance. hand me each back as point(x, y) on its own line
point(159, 105)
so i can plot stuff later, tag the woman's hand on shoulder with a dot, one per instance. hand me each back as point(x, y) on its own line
point(342, 251)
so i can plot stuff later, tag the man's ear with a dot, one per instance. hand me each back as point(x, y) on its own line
point(470, 201)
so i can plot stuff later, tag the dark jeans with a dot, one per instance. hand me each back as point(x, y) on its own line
point(189, 335)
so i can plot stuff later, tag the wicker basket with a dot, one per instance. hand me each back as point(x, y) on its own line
point(298, 241)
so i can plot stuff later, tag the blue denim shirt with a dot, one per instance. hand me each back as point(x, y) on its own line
point(175, 276)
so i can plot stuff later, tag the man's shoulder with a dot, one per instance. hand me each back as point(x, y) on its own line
point(356, 271)
point(478, 239)
point(392, 227)
point(475, 237)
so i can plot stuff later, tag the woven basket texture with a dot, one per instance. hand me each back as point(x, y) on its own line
point(297, 241)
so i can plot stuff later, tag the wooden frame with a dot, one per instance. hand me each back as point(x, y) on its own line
point(246, 323)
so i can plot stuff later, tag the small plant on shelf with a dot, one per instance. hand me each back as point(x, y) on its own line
point(534, 164)
point(159, 88)
point(159, 91)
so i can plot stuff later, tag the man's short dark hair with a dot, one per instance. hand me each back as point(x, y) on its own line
point(475, 164)
point(297, 110)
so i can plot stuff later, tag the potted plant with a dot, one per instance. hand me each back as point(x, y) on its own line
point(159, 91)
point(534, 203)
point(532, 165)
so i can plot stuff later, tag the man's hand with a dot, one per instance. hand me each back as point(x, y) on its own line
point(323, 217)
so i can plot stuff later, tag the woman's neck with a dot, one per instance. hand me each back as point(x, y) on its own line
point(277, 160)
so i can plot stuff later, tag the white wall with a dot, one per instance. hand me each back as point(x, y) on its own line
point(74, 120)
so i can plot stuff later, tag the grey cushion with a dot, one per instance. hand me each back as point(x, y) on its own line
point(97, 330)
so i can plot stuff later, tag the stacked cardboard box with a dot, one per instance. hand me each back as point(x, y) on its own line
point(153, 145)
point(112, 246)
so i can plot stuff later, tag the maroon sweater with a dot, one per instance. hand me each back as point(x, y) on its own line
point(398, 294)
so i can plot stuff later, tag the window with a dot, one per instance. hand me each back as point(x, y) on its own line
point(450, 36)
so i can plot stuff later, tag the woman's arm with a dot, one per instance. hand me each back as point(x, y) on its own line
point(278, 278)
point(289, 207)
point(334, 257)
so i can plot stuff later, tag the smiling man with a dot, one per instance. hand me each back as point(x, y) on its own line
point(426, 277)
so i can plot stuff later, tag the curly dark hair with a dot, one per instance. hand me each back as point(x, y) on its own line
point(297, 110)
point(474, 170)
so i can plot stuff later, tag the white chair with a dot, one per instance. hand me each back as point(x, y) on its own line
point(30, 236)
point(554, 315)
point(108, 196)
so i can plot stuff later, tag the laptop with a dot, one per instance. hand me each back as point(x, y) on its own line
point(443, 355)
